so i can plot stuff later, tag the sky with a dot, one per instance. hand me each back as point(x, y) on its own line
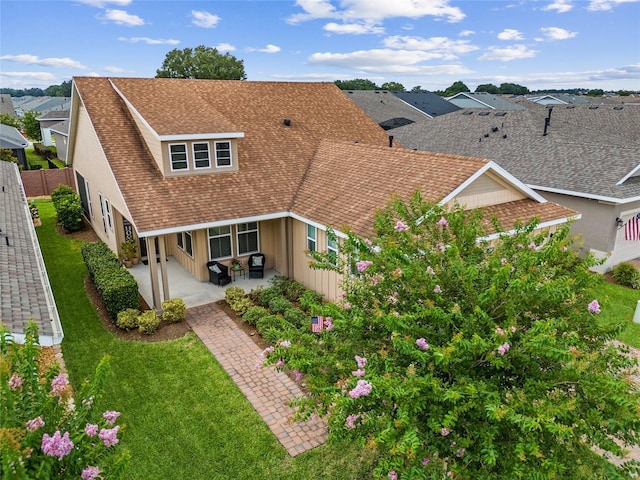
point(428, 43)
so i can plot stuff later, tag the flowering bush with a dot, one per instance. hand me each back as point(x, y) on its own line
point(44, 433)
point(473, 358)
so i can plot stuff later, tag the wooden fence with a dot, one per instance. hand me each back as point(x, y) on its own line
point(38, 183)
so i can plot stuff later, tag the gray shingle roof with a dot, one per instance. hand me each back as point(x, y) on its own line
point(482, 100)
point(586, 150)
point(24, 286)
point(10, 137)
point(383, 106)
point(428, 102)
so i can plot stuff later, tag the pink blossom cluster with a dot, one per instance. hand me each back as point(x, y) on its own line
point(594, 307)
point(443, 222)
point(392, 475)
point(401, 227)
point(57, 445)
point(422, 344)
point(504, 348)
point(363, 265)
point(58, 384)
point(500, 331)
point(297, 374)
point(362, 389)
point(358, 373)
point(109, 436)
point(284, 343)
point(90, 473)
point(265, 353)
point(111, 416)
point(437, 289)
point(15, 382)
point(430, 271)
point(350, 422)
point(445, 431)
point(328, 323)
point(361, 361)
point(91, 429)
point(35, 424)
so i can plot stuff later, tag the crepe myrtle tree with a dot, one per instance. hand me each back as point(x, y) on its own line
point(459, 354)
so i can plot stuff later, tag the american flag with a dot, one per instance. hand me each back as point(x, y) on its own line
point(317, 324)
point(632, 228)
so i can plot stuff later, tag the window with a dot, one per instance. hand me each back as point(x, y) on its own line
point(248, 238)
point(223, 154)
point(102, 211)
point(332, 250)
point(178, 154)
point(185, 243)
point(311, 238)
point(89, 201)
point(107, 209)
point(201, 155)
point(220, 242)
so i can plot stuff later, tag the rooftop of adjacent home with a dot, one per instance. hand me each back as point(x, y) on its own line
point(25, 293)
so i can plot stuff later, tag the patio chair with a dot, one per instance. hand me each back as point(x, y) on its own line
point(256, 265)
point(218, 273)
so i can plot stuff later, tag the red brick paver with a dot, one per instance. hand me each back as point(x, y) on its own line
point(268, 391)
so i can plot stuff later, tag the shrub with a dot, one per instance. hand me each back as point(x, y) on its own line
point(173, 311)
point(232, 294)
point(241, 305)
point(62, 190)
point(294, 291)
point(279, 305)
point(269, 294)
point(627, 274)
point(273, 322)
point(128, 319)
point(281, 283)
point(253, 314)
point(255, 294)
point(296, 317)
point(310, 299)
point(148, 322)
point(69, 213)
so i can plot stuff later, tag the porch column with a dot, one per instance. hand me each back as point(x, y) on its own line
point(153, 271)
point(163, 268)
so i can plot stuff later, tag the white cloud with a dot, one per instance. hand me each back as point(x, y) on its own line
point(467, 33)
point(30, 75)
point(204, 19)
point(225, 47)
point(555, 33)
point(93, 74)
point(375, 10)
point(29, 59)
point(121, 17)
point(515, 52)
point(510, 34)
point(353, 28)
point(149, 41)
point(111, 69)
point(561, 6)
point(103, 3)
point(445, 48)
point(268, 49)
point(603, 5)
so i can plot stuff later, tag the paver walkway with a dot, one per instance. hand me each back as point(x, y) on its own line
point(268, 391)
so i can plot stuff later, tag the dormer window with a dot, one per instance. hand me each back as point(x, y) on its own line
point(201, 155)
point(178, 153)
point(223, 154)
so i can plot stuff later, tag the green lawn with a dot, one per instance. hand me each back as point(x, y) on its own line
point(184, 417)
point(618, 305)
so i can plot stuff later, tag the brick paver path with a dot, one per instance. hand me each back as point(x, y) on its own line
point(268, 391)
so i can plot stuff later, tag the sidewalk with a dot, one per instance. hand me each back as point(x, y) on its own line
point(268, 391)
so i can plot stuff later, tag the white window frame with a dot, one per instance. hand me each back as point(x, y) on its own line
point(247, 232)
point(230, 235)
point(102, 211)
point(195, 155)
point(185, 242)
point(312, 241)
point(332, 247)
point(215, 152)
point(89, 201)
point(107, 207)
point(186, 157)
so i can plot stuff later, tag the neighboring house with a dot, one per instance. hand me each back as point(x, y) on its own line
point(24, 284)
point(47, 121)
point(385, 108)
point(60, 133)
point(428, 102)
point(41, 105)
point(210, 169)
point(12, 139)
point(6, 105)
point(585, 157)
point(559, 99)
point(483, 100)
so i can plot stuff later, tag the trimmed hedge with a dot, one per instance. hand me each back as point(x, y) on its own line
point(116, 286)
point(68, 208)
point(627, 274)
point(173, 311)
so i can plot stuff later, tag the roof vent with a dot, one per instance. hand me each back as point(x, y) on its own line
point(287, 122)
point(593, 107)
point(500, 114)
point(618, 107)
point(467, 112)
point(570, 106)
point(483, 114)
point(494, 129)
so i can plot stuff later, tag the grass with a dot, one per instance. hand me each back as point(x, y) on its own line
point(618, 305)
point(183, 416)
point(34, 159)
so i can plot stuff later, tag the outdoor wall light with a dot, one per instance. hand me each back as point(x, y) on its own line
point(619, 222)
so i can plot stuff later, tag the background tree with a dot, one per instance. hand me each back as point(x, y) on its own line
point(62, 90)
point(624, 93)
point(513, 89)
point(418, 89)
point(32, 126)
point(596, 92)
point(455, 88)
point(488, 88)
point(10, 120)
point(6, 155)
point(392, 87)
point(356, 84)
point(453, 357)
point(201, 62)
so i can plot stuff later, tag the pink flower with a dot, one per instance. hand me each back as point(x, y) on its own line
point(532, 246)
point(362, 389)
point(297, 375)
point(503, 261)
point(513, 329)
point(109, 436)
point(285, 344)
point(396, 314)
point(430, 271)
point(110, 416)
point(504, 348)
point(328, 323)
point(392, 475)
point(88, 401)
point(346, 306)
point(57, 446)
point(363, 265)
point(358, 373)
point(443, 222)
point(351, 421)
point(361, 361)
point(422, 344)
point(460, 452)
point(400, 227)
point(280, 363)
point(445, 431)
point(58, 384)
point(91, 429)
point(90, 473)
point(437, 289)
point(500, 331)
point(426, 460)
point(564, 249)
point(368, 242)
point(35, 424)
point(15, 382)
point(594, 307)
point(265, 353)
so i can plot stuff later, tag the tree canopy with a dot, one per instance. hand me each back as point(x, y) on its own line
point(453, 356)
point(356, 84)
point(392, 86)
point(201, 62)
point(454, 89)
point(32, 126)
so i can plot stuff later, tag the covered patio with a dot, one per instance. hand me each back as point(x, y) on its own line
point(185, 286)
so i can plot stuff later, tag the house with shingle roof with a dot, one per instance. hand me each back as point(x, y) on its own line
point(200, 170)
point(49, 120)
point(585, 157)
point(12, 139)
point(483, 100)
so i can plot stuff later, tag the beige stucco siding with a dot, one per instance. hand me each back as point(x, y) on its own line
point(487, 190)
